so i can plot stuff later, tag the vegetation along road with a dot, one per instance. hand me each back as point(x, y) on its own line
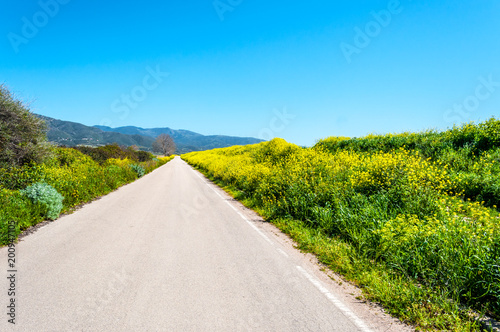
point(173, 252)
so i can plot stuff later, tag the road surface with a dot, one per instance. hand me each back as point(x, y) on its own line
point(173, 252)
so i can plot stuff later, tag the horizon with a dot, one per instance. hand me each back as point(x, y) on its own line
point(254, 69)
point(316, 141)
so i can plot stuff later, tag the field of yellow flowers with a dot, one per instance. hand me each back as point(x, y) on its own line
point(412, 218)
point(77, 177)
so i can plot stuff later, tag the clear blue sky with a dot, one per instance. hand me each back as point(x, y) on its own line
point(333, 68)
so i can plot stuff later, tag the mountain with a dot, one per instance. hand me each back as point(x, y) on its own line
point(73, 133)
point(185, 140)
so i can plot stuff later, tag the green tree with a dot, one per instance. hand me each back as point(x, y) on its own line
point(22, 135)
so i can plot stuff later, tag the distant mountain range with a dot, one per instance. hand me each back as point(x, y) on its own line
point(73, 133)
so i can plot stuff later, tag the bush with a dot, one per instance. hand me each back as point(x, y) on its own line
point(138, 169)
point(22, 134)
point(476, 138)
point(16, 178)
point(46, 196)
point(144, 156)
point(69, 157)
point(396, 204)
point(114, 151)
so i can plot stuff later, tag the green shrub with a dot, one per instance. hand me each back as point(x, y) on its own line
point(16, 207)
point(22, 134)
point(45, 195)
point(103, 153)
point(70, 157)
point(16, 178)
point(143, 156)
point(138, 169)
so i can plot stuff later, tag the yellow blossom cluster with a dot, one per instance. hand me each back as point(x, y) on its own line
point(396, 205)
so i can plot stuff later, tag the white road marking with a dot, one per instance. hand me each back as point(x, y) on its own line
point(235, 209)
point(281, 251)
point(341, 306)
point(256, 229)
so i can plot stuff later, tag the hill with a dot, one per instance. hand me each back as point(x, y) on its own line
point(185, 140)
point(72, 133)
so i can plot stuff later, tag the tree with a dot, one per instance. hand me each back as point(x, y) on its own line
point(164, 144)
point(22, 134)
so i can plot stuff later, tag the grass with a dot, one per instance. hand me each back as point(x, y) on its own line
point(393, 220)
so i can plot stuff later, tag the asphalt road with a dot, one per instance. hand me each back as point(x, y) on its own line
point(172, 252)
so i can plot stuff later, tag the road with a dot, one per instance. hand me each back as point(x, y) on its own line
point(173, 252)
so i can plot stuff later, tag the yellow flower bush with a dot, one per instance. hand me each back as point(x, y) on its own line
point(399, 206)
point(119, 162)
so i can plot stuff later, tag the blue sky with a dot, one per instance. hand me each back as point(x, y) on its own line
point(297, 70)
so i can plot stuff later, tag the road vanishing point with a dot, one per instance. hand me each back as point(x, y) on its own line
point(173, 252)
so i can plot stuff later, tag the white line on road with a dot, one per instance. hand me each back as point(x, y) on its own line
point(235, 209)
point(281, 251)
point(341, 306)
point(256, 229)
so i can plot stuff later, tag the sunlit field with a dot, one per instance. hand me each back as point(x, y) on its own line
point(412, 218)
